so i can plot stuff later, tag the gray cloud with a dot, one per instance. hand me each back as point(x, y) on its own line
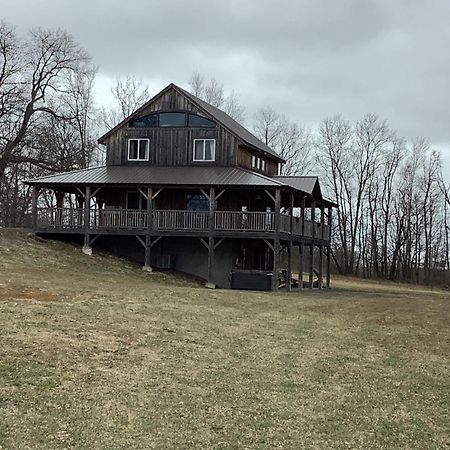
point(308, 58)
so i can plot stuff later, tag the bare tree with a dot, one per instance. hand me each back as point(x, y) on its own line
point(213, 92)
point(334, 151)
point(35, 89)
point(267, 126)
point(30, 80)
point(129, 94)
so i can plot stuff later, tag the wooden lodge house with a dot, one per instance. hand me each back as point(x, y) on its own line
point(187, 187)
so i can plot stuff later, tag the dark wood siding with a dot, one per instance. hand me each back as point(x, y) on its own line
point(171, 146)
point(244, 159)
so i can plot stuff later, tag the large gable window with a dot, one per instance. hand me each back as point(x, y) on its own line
point(150, 121)
point(172, 119)
point(138, 149)
point(204, 149)
point(200, 122)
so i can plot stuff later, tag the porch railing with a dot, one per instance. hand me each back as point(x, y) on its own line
point(120, 218)
point(136, 219)
point(240, 220)
point(60, 217)
point(180, 220)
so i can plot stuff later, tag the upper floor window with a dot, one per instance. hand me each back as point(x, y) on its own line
point(172, 119)
point(150, 121)
point(195, 121)
point(204, 149)
point(138, 149)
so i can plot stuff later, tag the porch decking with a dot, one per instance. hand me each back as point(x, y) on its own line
point(73, 219)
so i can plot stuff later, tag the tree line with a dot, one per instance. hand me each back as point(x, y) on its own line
point(394, 204)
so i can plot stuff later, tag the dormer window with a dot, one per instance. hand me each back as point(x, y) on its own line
point(204, 150)
point(138, 149)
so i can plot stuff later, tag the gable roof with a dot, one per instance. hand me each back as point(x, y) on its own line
point(308, 184)
point(220, 116)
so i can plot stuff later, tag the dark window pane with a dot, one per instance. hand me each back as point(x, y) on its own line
point(209, 150)
point(150, 121)
point(198, 150)
point(172, 120)
point(200, 122)
point(143, 149)
point(133, 149)
point(197, 203)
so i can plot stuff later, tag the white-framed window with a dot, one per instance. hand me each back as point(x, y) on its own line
point(138, 149)
point(263, 165)
point(204, 150)
point(258, 163)
point(253, 161)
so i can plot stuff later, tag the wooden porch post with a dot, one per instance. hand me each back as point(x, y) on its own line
point(34, 197)
point(276, 258)
point(320, 277)
point(313, 218)
point(210, 284)
point(311, 266)
point(322, 221)
point(330, 212)
point(289, 267)
point(87, 215)
point(148, 238)
point(212, 212)
point(300, 266)
point(302, 215)
point(291, 210)
point(276, 243)
point(328, 269)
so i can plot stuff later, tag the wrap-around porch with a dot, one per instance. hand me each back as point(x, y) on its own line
point(277, 217)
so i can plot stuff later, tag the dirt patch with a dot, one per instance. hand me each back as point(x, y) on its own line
point(25, 293)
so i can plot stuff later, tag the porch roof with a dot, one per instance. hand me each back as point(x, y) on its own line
point(158, 175)
point(178, 176)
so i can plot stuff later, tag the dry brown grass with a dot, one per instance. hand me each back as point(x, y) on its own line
point(97, 354)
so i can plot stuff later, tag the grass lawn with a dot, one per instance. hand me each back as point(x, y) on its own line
point(96, 354)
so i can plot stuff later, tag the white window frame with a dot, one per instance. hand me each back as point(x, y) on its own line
point(213, 155)
point(139, 140)
point(263, 165)
point(258, 163)
point(253, 161)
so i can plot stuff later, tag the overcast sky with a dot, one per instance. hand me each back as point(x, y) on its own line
point(308, 59)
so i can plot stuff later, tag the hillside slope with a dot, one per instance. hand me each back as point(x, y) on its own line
point(97, 354)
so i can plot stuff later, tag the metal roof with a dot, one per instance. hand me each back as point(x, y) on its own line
point(308, 184)
point(159, 175)
point(230, 123)
point(219, 115)
point(305, 184)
